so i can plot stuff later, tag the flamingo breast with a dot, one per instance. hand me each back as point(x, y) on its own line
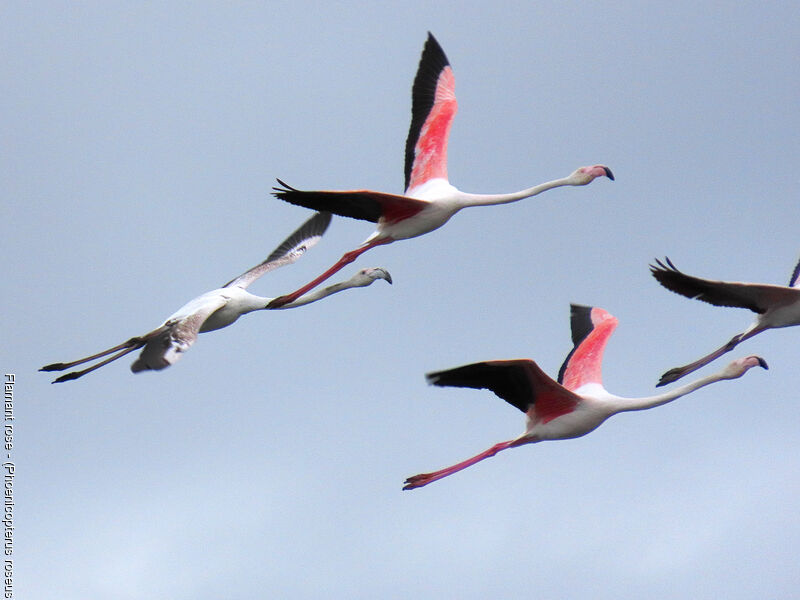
point(429, 218)
point(587, 416)
point(785, 315)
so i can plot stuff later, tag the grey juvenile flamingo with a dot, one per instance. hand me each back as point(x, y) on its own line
point(219, 308)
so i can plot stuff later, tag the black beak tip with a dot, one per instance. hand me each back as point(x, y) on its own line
point(609, 174)
point(763, 363)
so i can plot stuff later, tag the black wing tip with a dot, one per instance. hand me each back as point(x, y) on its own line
point(450, 377)
point(435, 47)
point(795, 275)
point(315, 226)
point(434, 378)
point(284, 188)
point(580, 318)
point(663, 268)
point(579, 308)
point(318, 224)
point(308, 233)
point(580, 322)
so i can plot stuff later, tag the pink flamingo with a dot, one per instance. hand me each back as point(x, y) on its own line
point(775, 305)
point(429, 200)
point(576, 404)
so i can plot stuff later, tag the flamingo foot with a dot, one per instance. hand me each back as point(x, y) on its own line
point(418, 481)
point(67, 377)
point(671, 375)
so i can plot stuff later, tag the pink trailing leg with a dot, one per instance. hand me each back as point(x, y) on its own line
point(426, 478)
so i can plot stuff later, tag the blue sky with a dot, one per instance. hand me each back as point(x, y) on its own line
point(140, 146)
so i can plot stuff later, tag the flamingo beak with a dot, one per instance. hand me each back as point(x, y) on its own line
point(609, 174)
point(762, 362)
point(381, 273)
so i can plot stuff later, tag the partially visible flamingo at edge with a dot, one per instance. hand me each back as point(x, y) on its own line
point(775, 306)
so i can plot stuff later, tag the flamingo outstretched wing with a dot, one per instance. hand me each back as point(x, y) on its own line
point(758, 297)
point(365, 205)
point(433, 107)
point(520, 382)
point(591, 329)
point(293, 247)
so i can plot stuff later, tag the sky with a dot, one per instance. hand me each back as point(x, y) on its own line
point(140, 145)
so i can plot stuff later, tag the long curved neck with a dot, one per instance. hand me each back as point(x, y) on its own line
point(317, 294)
point(490, 199)
point(621, 404)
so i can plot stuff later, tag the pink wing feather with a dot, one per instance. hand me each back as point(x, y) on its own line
point(591, 329)
point(432, 111)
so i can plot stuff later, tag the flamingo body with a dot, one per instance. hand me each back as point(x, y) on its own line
point(233, 302)
point(568, 408)
point(429, 200)
point(775, 306)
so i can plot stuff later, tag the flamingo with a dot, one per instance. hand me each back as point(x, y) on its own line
point(576, 404)
point(775, 305)
point(429, 200)
point(219, 308)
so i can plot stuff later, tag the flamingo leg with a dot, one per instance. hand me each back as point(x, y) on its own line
point(80, 361)
point(125, 347)
point(422, 479)
point(678, 372)
point(344, 261)
point(75, 374)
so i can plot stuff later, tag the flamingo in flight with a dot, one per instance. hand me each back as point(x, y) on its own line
point(775, 305)
point(429, 200)
point(219, 308)
point(571, 407)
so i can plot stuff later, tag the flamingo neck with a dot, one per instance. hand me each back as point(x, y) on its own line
point(620, 404)
point(248, 302)
point(492, 199)
point(313, 296)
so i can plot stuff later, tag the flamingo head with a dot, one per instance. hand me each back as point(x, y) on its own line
point(740, 366)
point(367, 276)
point(586, 175)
